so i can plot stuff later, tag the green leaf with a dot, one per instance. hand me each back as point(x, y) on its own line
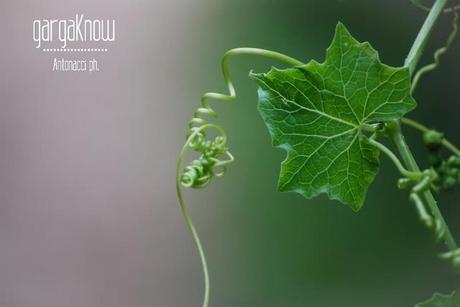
point(319, 112)
point(442, 300)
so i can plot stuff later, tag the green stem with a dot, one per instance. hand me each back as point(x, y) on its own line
point(415, 124)
point(419, 4)
point(395, 133)
point(416, 51)
point(395, 160)
point(411, 164)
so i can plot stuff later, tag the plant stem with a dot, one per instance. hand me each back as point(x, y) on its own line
point(415, 124)
point(411, 175)
point(395, 133)
point(411, 164)
point(419, 44)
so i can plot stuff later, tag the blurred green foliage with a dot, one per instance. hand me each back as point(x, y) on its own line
point(267, 248)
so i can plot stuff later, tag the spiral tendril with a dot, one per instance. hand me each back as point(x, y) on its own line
point(443, 174)
point(213, 153)
point(199, 172)
point(439, 228)
point(440, 51)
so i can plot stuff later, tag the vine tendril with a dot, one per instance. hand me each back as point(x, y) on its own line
point(431, 222)
point(420, 182)
point(186, 214)
point(199, 172)
point(440, 51)
point(438, 227)
point(406, 173)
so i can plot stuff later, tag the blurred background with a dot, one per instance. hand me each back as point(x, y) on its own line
point(88, 213)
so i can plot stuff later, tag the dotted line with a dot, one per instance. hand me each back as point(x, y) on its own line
point(75, 50)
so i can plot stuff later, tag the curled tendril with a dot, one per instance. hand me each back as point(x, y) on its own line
point(198, 173)
point(443, 171)
point(213, 153)
point(429, 220)
point(440, 51)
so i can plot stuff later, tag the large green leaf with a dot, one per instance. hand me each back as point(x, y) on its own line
point(318, 113)
point(442, 300)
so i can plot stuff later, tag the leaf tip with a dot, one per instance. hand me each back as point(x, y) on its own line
point(341, 28)
point(356, 206)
